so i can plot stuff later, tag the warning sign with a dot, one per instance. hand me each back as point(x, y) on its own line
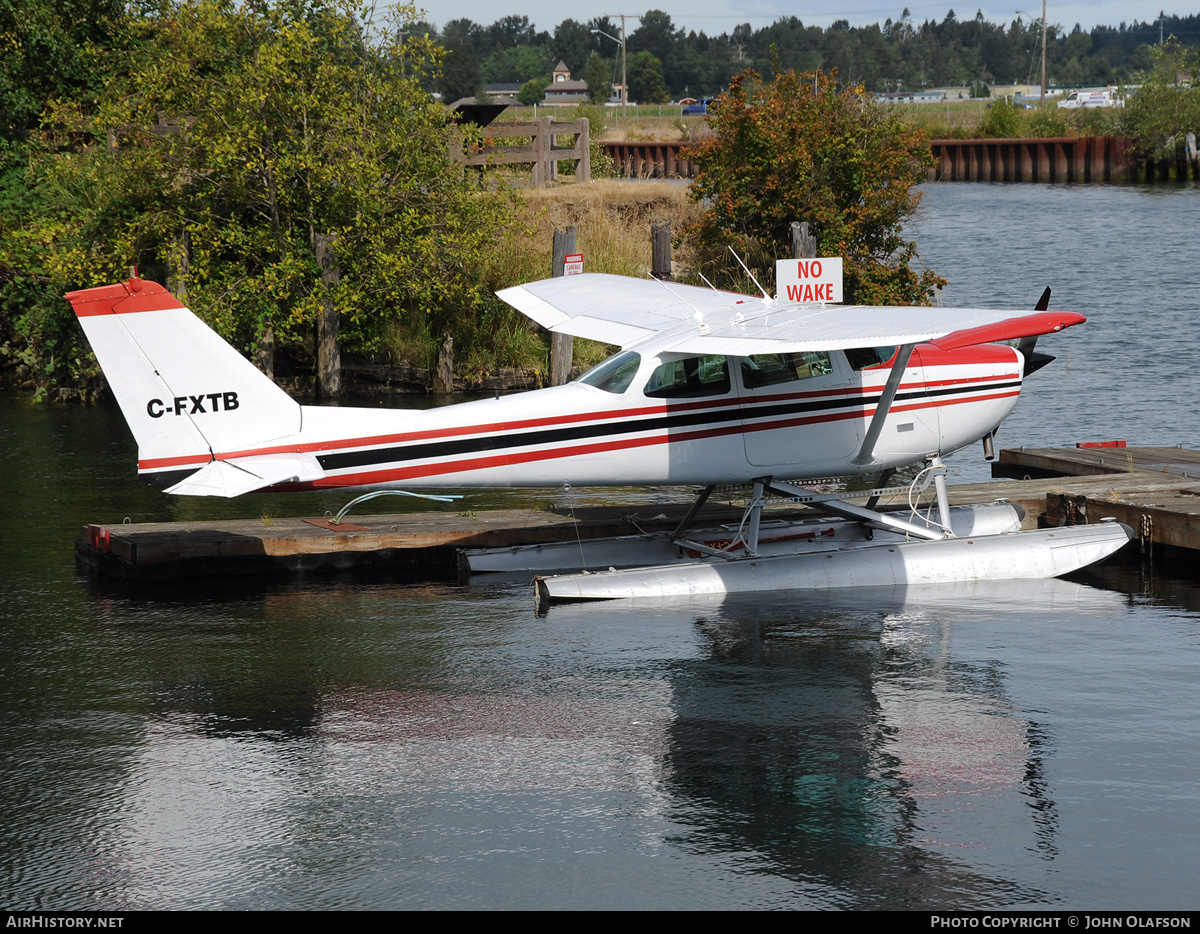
point(573, 264)
point(809, 280)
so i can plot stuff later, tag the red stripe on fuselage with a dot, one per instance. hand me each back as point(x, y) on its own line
point(743, 406)
point(524, 457)
point(851, 394)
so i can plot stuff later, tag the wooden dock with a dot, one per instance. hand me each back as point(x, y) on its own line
point(160, 551)
point(1156, 491)
point(1153, 490)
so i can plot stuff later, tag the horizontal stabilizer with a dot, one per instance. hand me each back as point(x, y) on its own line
point(240, 475)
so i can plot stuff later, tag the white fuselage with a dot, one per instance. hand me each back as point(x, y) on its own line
point(733, 422)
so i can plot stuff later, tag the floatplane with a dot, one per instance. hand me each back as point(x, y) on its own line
point(709, 389)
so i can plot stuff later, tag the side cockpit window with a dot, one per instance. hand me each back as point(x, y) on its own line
point(614, 374)
point(864, 358)
point(690, 377)
point(773, 368)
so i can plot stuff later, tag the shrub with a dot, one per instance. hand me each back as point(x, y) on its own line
point(799, 149)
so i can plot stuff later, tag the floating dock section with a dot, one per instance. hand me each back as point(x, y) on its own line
point(1155, 491)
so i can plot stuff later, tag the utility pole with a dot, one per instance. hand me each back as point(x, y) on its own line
point(1042, 103)
point(624, 73)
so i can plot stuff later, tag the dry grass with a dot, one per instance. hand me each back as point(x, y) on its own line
point(639, 122)
point(612, 220)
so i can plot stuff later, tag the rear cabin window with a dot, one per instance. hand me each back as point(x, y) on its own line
point(689, 378)
point(772, 368)
point(864, 358)
point(614, 374)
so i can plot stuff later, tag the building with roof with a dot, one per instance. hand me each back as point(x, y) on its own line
point(562, 91)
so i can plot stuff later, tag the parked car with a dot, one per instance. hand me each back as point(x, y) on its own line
point(697, 108)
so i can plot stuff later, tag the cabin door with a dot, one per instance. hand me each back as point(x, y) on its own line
point(798, 410)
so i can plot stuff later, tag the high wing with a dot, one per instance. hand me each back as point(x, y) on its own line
point(620, 310)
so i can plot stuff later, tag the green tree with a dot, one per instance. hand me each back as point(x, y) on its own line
point(798, 149)
point(286, 123)
point(533, 91)
point(657, 35)
point(462, 70)
point(599, 78)
point(1167, 105)
point(573, 42)
point(646, 82)
point(517, 64)
point(49, 49)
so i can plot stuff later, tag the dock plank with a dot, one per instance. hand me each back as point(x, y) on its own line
point(1087, 461)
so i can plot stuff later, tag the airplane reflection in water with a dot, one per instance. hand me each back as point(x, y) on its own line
point(841, 743)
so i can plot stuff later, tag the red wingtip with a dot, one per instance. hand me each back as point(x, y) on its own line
point(1042, 322)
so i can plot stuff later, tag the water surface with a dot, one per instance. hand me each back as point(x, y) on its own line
point(379, 741)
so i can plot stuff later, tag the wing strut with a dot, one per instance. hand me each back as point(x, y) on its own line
point(884, 405)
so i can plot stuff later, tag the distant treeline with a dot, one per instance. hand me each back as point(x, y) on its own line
point(666, 62)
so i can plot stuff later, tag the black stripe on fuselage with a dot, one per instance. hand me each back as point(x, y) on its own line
point(738, 411)
point(165, 478)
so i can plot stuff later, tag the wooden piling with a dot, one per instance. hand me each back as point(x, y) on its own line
point(804, 243)
point(443, 372)
point(660, 250)
point(562, 346)
point(329, 361)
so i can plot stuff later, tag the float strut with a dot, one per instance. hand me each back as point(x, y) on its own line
point(755, 516)
point(881, 481)
point(701, 499)
point(939, 486)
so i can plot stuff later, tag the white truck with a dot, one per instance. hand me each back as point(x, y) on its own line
point(1098, 97)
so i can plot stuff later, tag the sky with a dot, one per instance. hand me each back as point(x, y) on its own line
point(717, 16)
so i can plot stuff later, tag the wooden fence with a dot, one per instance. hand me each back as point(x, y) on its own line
point(542, 151)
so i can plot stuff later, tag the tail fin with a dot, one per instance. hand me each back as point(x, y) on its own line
point(186, 394)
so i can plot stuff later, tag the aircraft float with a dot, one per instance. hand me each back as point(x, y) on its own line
point(709, 389)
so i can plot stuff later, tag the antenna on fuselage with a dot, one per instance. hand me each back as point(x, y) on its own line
point(766, 298)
